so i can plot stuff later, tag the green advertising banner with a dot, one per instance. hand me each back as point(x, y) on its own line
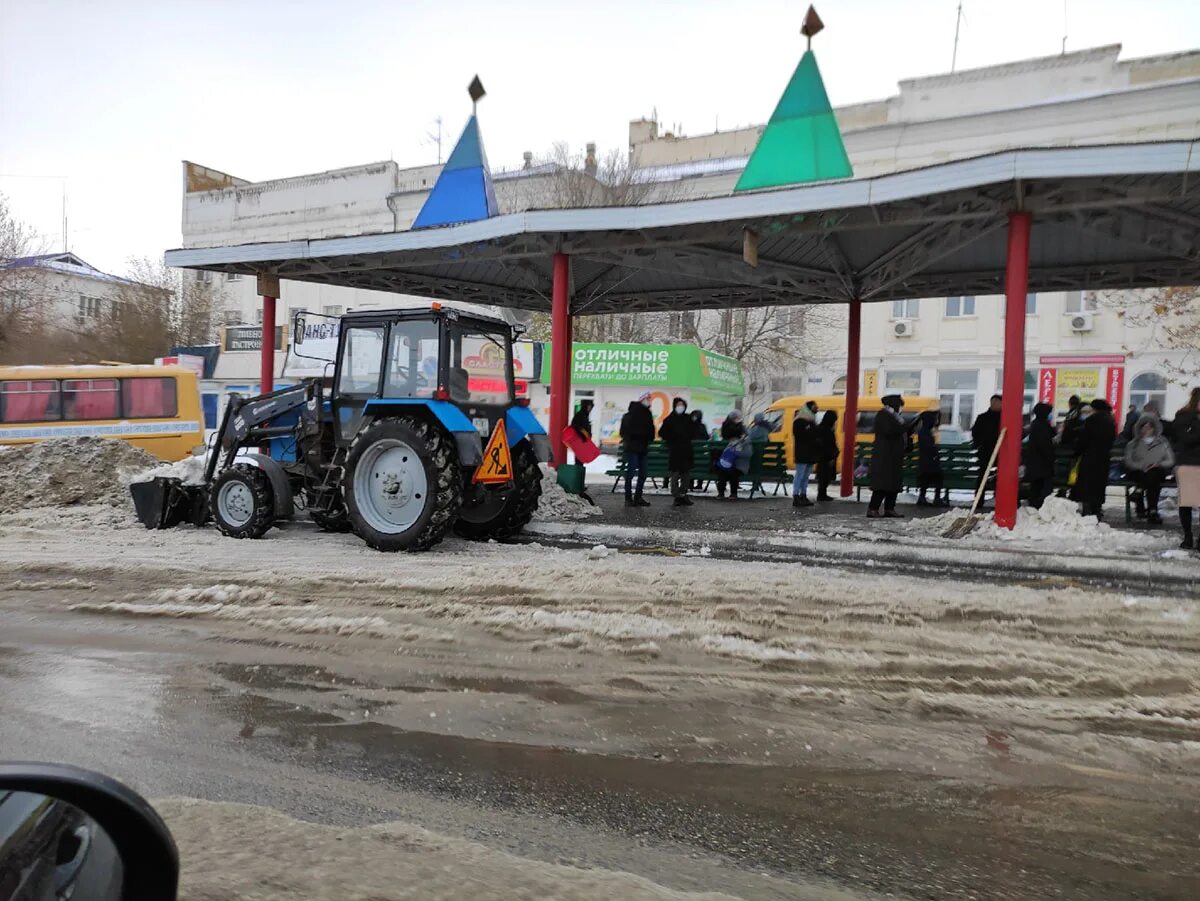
point(648, 365)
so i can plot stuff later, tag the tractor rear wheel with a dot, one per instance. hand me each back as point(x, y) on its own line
point(241, 502)
point(401, 485)
point(507, 512)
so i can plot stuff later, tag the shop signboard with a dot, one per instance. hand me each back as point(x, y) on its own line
point(237, 338)
point(652, 365)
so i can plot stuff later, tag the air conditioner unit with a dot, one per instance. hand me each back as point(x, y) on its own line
point(1082, 322)
point(904, 328)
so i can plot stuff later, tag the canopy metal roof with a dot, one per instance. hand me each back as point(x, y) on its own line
point(1118, 216)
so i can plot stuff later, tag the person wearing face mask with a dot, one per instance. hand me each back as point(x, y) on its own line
point(1148, 461)
point(887, 458)
point(676, 433)
point(637, 431)
point(1094, 448)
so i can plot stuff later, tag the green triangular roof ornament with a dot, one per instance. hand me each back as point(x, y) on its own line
point(802, 141)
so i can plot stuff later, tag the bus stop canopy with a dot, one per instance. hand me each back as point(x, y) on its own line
point(1115, 216)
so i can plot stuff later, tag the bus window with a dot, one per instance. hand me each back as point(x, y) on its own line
point(866, 422)
point(149, 398)
point(91, 399)
point(29, 401)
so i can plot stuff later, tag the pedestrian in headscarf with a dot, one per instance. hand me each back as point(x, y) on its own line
point(1039, 454)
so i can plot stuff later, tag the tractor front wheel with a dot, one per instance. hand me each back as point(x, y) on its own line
point(241, 502)
point(502, 514)
point(401, 485)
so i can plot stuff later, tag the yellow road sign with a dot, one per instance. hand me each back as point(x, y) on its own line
point(497, 459)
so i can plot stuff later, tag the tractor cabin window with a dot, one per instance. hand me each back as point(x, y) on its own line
point(362, 360)
point(412, 360)
point(479, 367)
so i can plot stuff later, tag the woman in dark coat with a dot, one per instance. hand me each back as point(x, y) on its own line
point(887, 458)
point(676, 433)
point(929, 461)
point(1039, 455)
point(1094, 448)
point(699, 433)
point(581, 422)
point(828, 459)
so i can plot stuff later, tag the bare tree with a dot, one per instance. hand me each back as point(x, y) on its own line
point(1168, 319)
point(25, 331)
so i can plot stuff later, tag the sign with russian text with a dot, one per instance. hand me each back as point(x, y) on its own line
point(652, 365)
point(1047, 380)
point(1115, 387)
point(248, 337)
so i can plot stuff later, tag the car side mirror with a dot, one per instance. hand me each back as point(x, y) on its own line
point(67, 832)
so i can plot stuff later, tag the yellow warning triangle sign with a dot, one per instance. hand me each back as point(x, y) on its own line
point(497, 459)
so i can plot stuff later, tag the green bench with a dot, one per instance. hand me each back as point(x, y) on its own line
point(768, 463)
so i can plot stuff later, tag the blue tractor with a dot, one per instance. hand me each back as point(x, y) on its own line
point(419, 431)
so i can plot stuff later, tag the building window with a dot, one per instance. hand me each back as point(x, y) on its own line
point(903, 381)
point(1031, 303)
point(87, 308)
point(258, 316)
point(333, 310)
point(674, 325)
point(233, 276)
point(1149, 388)
point(1030, 389)
point(1078, 302)
point(204, 277)
point(960, 306)
point(839, 385)
point(232, 317)
point(956, 393)
point(906, 309)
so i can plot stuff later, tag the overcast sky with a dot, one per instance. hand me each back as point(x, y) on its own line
point(112, 94)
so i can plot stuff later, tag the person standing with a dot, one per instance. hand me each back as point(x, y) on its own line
point(887, 458)
point(1094, 449)
point(929, 461)
point(581, 423)
point(1069, 433)
point(828, 454)
point(699, 433)
point(806, 449)
point(637, 431)
point(1039, 455)
point(732, 432)
point(1148, 461)
point(676, 433)
point(1129, 428)
point(984, 435)
point(1185, 432)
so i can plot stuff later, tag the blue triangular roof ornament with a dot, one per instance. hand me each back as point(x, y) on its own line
point(463, 191)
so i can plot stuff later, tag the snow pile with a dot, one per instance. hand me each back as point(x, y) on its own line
point(70, 472)
point(1057, 525)
point(190, 470)
point(555, 504)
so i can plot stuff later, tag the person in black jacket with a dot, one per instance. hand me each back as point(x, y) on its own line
point(929, 461)
point(806, 449)
point(1185, 435)
point(1039, 455)
point(1094, 449)
point(676, 433)
point(637, 431)
point(984, 435)
point(887, 458)
point(732, 430)
point(699, 433)
point(1068, 435)
point(581, 423)
point(828, 459)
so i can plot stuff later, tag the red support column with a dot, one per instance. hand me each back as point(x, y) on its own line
point(850, 417)
point(560, 358)
point(266, 382)
point(1016, 285)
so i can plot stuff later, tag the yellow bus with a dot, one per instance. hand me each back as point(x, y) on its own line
point(781, 412)
point(156, 408)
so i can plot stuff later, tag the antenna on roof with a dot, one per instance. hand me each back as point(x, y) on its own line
point(436, 137)
point(1064, 40)
point(957, 22)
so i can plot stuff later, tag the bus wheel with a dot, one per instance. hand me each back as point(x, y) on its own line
point(241, 502)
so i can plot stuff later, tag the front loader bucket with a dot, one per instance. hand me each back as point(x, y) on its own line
point(163, 503)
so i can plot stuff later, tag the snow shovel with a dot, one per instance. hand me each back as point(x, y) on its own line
point(962, 526)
